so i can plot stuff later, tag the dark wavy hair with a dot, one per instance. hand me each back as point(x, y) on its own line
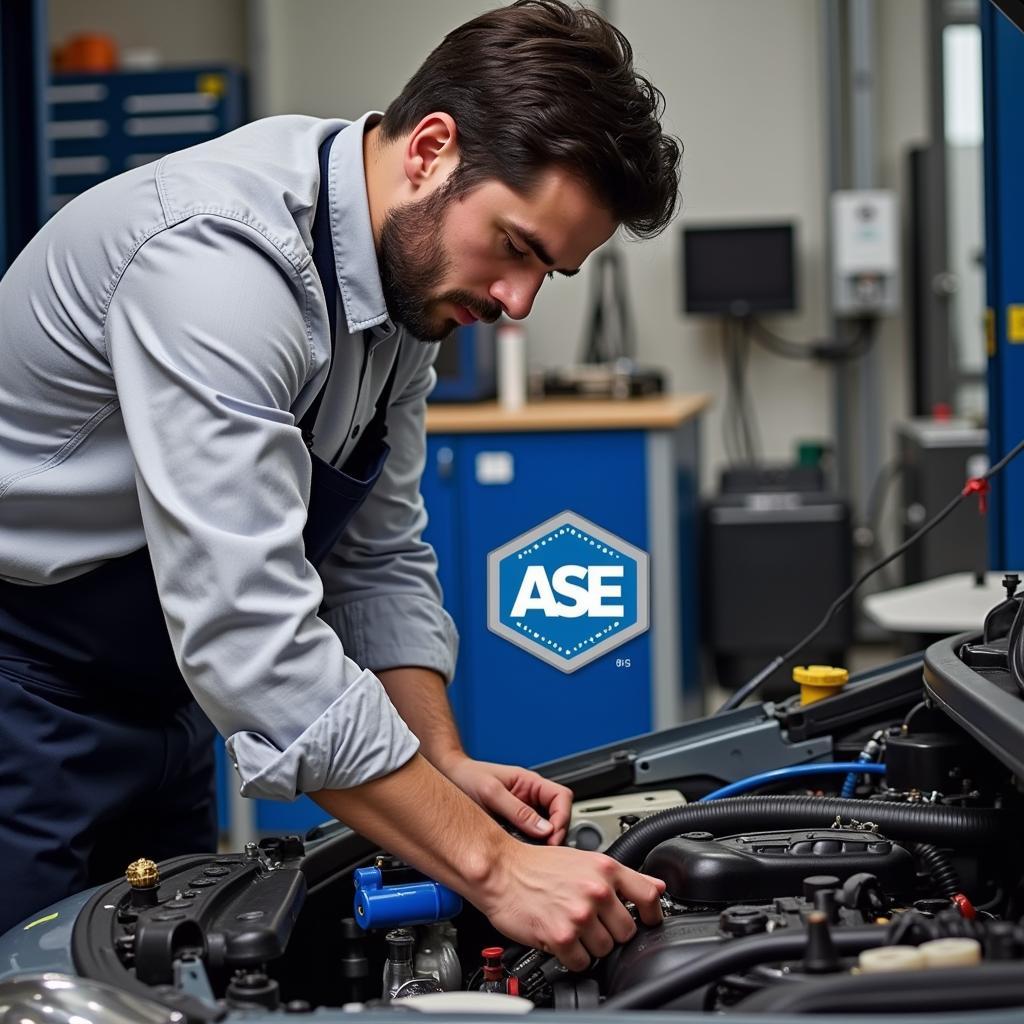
point(542, 83)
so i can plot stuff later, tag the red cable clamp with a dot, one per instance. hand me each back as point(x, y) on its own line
point(964, 905)
point(979, 486)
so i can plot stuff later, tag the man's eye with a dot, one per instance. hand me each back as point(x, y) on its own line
point(515, 253)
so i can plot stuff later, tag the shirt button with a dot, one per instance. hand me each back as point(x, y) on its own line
point(355, 431)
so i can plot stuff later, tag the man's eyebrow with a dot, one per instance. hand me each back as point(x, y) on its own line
point(540, 250)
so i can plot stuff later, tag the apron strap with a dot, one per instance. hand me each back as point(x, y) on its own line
point(365, 453)
point(323, 259)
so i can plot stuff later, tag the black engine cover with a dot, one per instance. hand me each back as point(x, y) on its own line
point(759, 866)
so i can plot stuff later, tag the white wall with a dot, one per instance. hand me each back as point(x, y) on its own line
point(743, 84)
point(182, 31)
point(745, 92)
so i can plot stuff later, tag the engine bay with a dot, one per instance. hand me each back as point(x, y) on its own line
point(862, 847)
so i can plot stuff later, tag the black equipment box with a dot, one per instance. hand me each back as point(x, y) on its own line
point(777, 552)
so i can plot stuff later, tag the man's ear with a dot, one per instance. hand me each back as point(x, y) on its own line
point(431, 150)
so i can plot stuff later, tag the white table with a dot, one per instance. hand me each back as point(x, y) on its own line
point(948, 604)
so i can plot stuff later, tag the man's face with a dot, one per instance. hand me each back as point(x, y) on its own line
point(450, 261)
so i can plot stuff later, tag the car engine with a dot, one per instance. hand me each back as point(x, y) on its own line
point(860, 853)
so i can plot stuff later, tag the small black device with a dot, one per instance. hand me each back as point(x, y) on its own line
point(738, 270)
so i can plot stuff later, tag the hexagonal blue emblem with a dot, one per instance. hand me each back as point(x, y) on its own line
point(567, 591)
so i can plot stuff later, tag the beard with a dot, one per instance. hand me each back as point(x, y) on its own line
point(414, 261)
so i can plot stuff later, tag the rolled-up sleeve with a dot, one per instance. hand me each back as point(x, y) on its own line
point(209, 338)
point(381, 589)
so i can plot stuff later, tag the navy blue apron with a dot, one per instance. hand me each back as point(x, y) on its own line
point(104, 755)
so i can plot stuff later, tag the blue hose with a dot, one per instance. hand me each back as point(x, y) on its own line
point(850, 783)
point(794, 772)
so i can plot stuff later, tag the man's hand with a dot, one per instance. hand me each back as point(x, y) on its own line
point(568, 902)
point(514, 794)
point(565, 901)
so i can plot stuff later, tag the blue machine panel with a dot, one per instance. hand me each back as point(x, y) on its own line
point(1003, 70)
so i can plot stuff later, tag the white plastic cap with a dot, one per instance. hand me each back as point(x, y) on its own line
point(890, 958)
point(951, 952)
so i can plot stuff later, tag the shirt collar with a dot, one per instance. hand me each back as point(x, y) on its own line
point(355, 256)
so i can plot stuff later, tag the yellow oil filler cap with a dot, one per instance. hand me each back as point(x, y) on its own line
point(818, 681)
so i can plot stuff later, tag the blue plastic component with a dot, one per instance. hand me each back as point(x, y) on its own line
point(850, 785)
point(398, 906)
point(794, 772)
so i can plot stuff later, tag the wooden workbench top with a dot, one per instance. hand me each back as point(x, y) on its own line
point(661, 412)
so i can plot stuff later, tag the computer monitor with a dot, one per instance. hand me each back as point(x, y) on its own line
point(739, 269)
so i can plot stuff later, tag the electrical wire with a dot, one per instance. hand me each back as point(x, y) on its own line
point(796, 771)
point(752, 429)
point(741, 434)
point(730, 439)
point(977, 485)
point(822, 350)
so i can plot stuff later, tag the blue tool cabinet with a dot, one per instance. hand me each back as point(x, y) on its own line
point(103, 124)
point(631, 468)
point(509, 705)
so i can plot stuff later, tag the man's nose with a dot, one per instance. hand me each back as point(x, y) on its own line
point(516, 295)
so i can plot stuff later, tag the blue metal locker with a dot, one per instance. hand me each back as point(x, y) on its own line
point(1003, 70)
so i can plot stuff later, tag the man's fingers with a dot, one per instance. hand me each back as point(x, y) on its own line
point(618, 921)
point(645, 891)
point(560, 807)
point(597, 940)
point(524, 817)
point(557, 800)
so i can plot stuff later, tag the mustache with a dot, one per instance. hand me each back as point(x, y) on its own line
point(488, 312)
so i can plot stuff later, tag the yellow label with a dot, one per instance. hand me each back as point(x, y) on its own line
point(216, 85)
point(990, 332)
point(1015, 324)
point(42, 920)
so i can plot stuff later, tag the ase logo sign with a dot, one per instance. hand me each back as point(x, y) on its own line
point(567, 591)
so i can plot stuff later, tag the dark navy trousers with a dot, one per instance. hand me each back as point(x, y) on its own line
point(86, 790)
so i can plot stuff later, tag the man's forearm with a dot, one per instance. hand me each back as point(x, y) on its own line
point(419, 696)
point(416, 814)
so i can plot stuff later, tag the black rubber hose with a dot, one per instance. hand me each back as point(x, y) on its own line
point(1015, 648)
point(736, 955)
point(913, 928)
point(948, 826)
point(939, 866)
point(986, 987)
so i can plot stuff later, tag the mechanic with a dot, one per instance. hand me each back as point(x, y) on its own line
point(198, 508)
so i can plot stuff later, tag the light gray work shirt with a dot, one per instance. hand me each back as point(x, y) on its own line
point(160, 338)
